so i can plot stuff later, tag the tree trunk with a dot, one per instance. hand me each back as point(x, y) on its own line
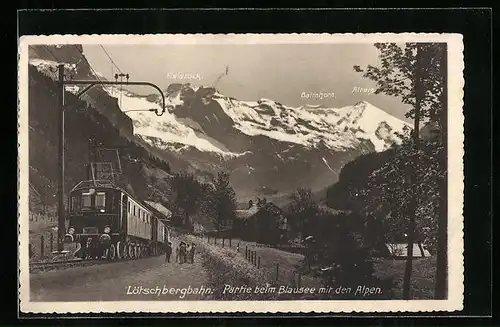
point(441, 291)
point(186, 219)
point(218, 225)
point(413, 203)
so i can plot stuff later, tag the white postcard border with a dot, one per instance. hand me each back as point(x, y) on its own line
point(455, 181)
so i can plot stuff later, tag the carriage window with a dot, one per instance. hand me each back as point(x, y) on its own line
point(86, 201)
point(134, 209)
point(128, 207)
point(100, 200)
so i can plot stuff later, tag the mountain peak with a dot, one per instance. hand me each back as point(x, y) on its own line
point(362, 103)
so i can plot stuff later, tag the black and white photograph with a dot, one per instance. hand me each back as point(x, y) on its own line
point(225, 173)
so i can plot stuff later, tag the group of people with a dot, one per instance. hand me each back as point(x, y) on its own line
point(184, 253)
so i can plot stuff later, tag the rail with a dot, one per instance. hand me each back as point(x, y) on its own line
point(70, 263)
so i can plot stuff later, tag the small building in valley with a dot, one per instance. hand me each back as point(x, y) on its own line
point(262, 222)
point(400, 250)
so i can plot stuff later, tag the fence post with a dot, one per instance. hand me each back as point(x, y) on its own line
point(223, 239)
point(51, 242)
point(246, 252)
point(254, 258)
point(277, 270)
point(42, 246)
point(258, 262)
point(229, 242)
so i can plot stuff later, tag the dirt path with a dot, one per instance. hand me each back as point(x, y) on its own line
point(118, 281)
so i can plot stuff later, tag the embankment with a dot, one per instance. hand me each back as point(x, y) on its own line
point(227, 267)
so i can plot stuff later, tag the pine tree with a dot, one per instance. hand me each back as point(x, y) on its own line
point(417, 74)
point(220, 201)
point(302, 209)
point(187, 196)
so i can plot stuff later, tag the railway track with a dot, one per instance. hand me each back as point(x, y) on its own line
point(69, 263)
point(63, 264)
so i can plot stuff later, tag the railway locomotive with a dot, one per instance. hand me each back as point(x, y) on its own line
point(106, 222)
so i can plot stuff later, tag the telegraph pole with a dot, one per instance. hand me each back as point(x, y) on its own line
point(61, 231)
point(61, 212)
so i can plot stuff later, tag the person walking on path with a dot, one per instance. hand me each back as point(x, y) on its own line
point(192, 252)
point(188, 253)
point(168, 252)
point(178, 254)
point(182, 252)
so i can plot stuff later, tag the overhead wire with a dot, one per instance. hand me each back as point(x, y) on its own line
point(51, 53)
point(90, 66)
point(118, 68)
point(110, 59)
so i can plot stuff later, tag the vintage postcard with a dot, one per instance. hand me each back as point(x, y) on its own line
point(219, 173)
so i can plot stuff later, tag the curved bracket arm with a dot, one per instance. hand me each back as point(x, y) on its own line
point(92, 83)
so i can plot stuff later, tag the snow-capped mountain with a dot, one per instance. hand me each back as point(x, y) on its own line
point(264, 143)
point(309, 126)
point(269, 147)
point(336, 128)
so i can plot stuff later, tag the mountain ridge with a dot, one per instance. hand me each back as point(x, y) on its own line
point(264, 144)
point(236, 134)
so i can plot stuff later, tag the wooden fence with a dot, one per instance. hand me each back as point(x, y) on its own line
point(275, 272)
point(36, 217)
point(42, 246)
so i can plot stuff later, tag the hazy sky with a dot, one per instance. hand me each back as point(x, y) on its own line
point(278, 72)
